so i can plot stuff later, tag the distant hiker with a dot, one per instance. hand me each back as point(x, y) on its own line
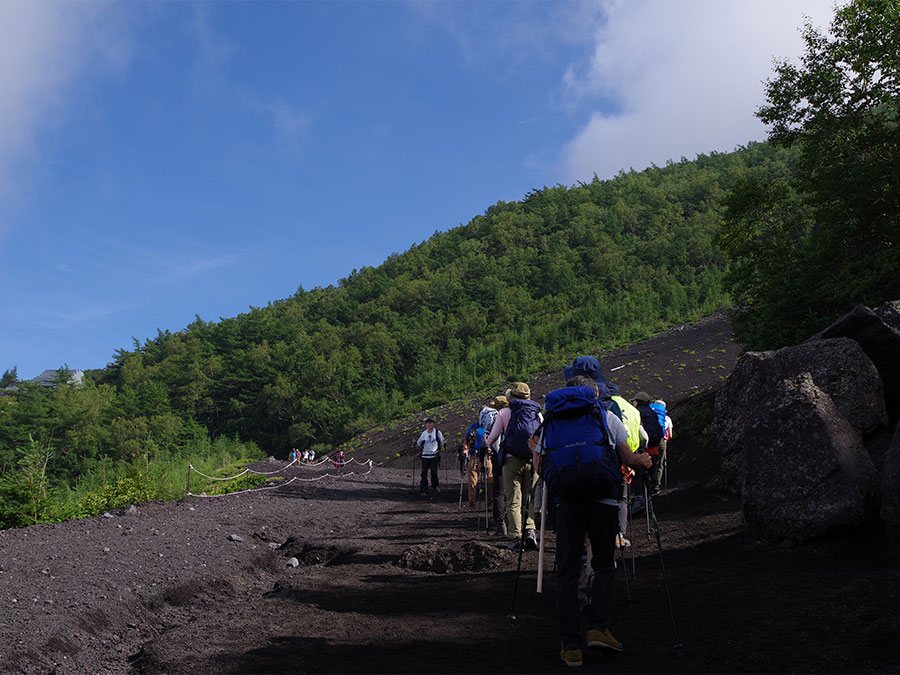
point(479, 463)
point(293, 456)
point(517, 423)
point(578, 451)
point(497, 403)
point(462, 457)
point(339, 459)
point(312, 455)
point(430, 443)
point(653, 419)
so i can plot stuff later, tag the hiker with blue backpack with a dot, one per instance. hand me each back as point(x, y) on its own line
point(516, 424)
point(577, 451)
point(479, 465)
point(653, 419)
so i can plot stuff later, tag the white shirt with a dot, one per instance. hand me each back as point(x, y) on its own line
point(430, 442)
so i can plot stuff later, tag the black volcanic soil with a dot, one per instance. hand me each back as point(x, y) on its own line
point(389, 582)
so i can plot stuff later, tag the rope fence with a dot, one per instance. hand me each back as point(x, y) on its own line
point(369, 463)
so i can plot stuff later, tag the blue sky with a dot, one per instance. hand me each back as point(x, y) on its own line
point(164, 160)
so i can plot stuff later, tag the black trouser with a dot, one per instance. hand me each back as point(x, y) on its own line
point(573, 521)
point(499, 494)
point(432, 464)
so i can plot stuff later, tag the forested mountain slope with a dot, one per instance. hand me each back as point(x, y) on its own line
point(516, 289)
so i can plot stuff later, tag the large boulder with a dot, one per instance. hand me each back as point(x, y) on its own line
point(890, 491)
point(889, 313)
point(879, 337)
point(837, 366)
point(805, 471)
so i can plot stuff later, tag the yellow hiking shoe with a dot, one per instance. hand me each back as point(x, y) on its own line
point(571, 657)
point(603, 639)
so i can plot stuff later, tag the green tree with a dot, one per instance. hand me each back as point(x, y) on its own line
point(831, 234)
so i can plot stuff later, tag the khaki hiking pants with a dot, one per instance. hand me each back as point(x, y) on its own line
point(473, 475)
point(516, 472)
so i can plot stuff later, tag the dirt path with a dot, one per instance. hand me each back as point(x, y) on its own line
point(203, 585)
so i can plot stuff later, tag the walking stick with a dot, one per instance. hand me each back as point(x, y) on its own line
point(484, 486)
point(631, 530)
point(525, 494)
point(540, 572)
point(677, 646)
point(461, 474)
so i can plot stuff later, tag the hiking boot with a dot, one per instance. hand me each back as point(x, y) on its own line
point(515, 545)
point(622, 542)
point(571, 657)
point(531, 542)
point(502, 531)
point(603, 639)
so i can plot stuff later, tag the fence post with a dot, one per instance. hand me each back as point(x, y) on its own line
point(188, 491)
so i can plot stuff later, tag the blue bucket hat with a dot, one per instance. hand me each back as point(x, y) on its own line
point(585, 365)
point(613, 388)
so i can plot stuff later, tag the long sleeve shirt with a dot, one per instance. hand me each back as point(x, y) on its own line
point(430, 443)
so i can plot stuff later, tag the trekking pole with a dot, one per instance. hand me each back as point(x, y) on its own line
point(646, 502)
point(666, 470)
point(631, 530)
point(459, 508)
point(625, 569)
point(677, 646)
point(512, 611)
point(487, 502)
point(540, 573)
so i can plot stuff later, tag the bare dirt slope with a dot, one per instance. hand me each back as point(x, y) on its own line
point(388, 582)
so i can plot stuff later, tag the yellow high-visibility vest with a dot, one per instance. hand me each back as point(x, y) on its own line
point(631, 418)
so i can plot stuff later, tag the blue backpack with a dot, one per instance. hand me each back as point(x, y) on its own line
point(660, 409)
point(578, 460)
point(523, 424)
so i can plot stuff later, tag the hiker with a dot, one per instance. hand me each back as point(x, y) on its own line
point(637, 439)
point(653, 419)
point(517, 423)
point(339, 459)
point(462, 457)
point(430, 443)
point(586, 502)
point(478, 463)
point(293, 456)
point(497, 404)
point(312, 455)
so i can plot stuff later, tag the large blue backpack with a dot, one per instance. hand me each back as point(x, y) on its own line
point(523, 424)
point(578, 462)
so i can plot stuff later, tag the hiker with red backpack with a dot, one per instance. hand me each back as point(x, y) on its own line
point(517, 423)
point(577, 451)
point(653, 419)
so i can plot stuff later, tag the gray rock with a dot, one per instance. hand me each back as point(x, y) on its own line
point(235, 537)
point(805, 470)
point(837, 366)
point(890, 491)
point(889, 313)
point(274, 544)
point(881, 343)
point(292, 562)
point(108, 515)
point(130, 510)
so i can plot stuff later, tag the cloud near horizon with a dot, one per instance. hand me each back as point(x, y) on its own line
point(680, 78)
point(44, 47)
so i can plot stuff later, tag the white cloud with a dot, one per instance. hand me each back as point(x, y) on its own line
point(674, 79)
point(44, 48)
